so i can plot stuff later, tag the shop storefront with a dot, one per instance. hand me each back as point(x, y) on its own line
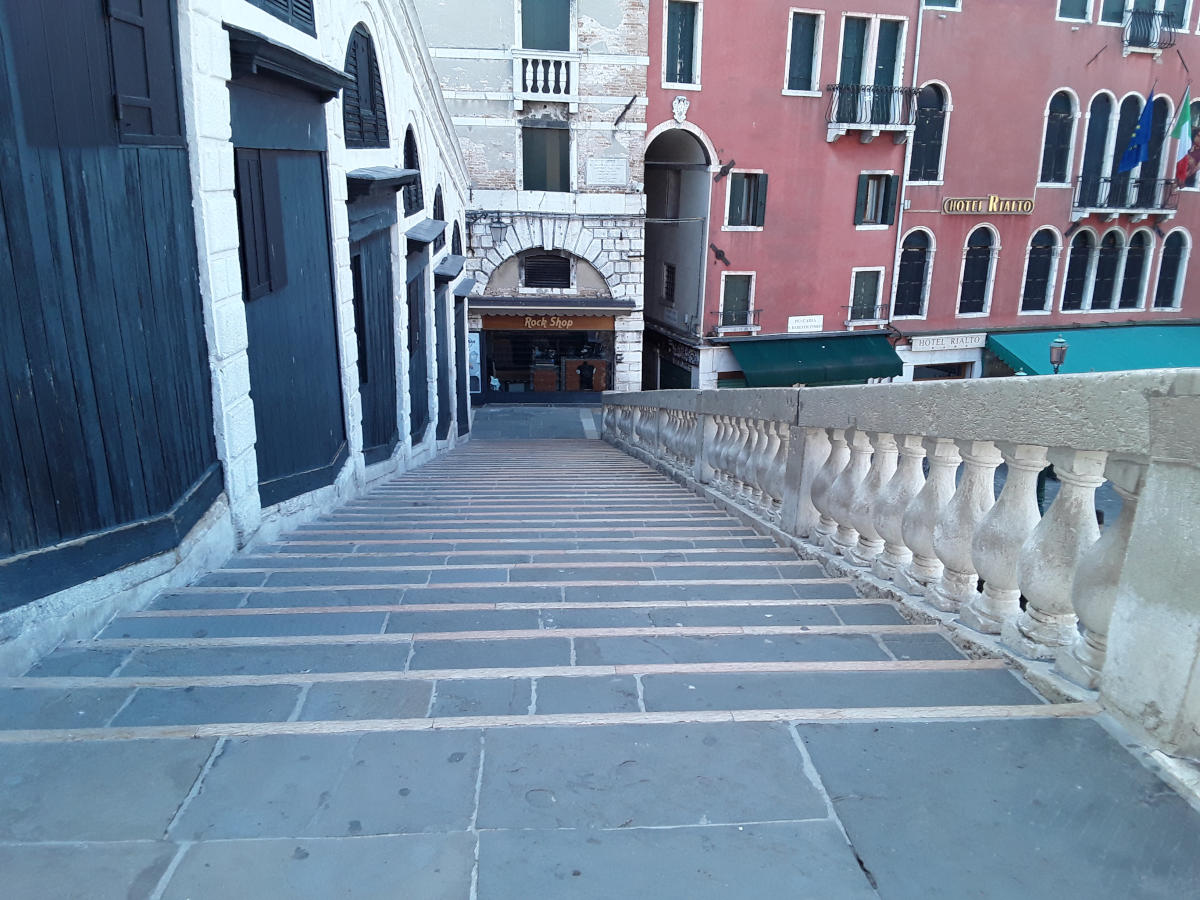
point(546, 358)
point(942, 357)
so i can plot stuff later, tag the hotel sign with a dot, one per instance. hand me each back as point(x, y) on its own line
point(993, 204)
point(948, 341)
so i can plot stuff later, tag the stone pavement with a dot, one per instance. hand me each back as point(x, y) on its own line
point(540, 670)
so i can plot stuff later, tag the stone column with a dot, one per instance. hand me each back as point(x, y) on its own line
point(863, 508)
point(1094, 593)
point(998, 542)
point(1050, 558)
point(775, 471)
point(841, 495)
point(705, 446)
point(807, 451)
point(889, 513)
point(955, 530)
point(839, 455)
point(923, 513)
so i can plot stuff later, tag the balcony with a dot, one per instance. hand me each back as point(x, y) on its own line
point(1122, 194)
point(735, 321)
point(1147, 31)
point(870, 110)
point(545, 76)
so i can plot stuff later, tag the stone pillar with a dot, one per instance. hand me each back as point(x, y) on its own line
point(955, 530)
point(889, 513)
point(839, 455)
point(998, 542)
point(1094, 593)
point(841, 495)
point(705, 445)
point(807, 451)
point(867, 498)
point(774, 471)
point(923, 513)
point(1051, 557)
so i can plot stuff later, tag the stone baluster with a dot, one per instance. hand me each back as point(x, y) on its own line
point(610, 417)
point(1094, 593)
point(864, 505)
point(835, 462)
point(743, 463)
point(692, 437)
point(765, 449)
point(719, 452)
point(921, 517)
point(774, 477)
point(955, 530)
point(1051, 556)
point(998, 541)
point(705, 439)
point(904, 486)
point(801, 517)
point(666, 437)
point(841, 495)
point(729, 455)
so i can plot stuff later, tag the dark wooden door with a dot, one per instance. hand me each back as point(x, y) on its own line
point(374, 323)
point(418, 346)
point(445, 328)
point(462, 364)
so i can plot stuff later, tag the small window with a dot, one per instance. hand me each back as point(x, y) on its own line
point(1074, 9)
point(414, 197)
point(1079, 270)
point(941, 4)
point(142, 47)
point(295, 12)
point(668, 283)
point(1176, 13)
point(547, 158)
point(546, 24)
point(747, 200)
point(912, 278)
point(1060, 135)
point(1112, 11)
point(735, 301)
point(1039, 271)
point(802, 52)
point(682, 56)
point(1189, 181)
point(876, 200)
point(976, 287)
point(439, 215)
point(926, 163)
point(456, 241)
point(1107, 262)
point(364, 115)
point(1171, 271)
point(1133, 281)
point(547, 270)
point(864, 295)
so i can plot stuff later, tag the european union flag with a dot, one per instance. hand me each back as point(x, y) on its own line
point(1138, 150)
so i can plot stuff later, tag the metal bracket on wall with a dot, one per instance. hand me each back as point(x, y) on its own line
point(720, 254)
point(724, 170)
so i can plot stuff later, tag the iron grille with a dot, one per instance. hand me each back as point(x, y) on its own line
point(872, 105)
point(1121, 192)
point(1149, 30)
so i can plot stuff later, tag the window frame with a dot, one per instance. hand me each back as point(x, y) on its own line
point(989, 290)
point(572, 181)
point(1089, 15)
point(1147, 267)
point(1195, 185)
point(930, 253)
point(572, 273)
point(1181, 275)
point(572, 29)
point(957, 7)
point(1076, 116)
point(818, 47)
point(721, 329)
point(871, 45)
point(1089, 277)
point(890, 178)
point(697, 52)
point(855, 271)
point(761, 176)
point(669, 277)
point(1118, 273)
point(271, 8)
point(946, 110)
point(1052, 283)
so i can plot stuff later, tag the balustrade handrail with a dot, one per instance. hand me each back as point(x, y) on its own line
point(1124, 192)
point(896, 481)
point(1149, 29)
point(567, 55)
point(871, 106)
point(736, 318)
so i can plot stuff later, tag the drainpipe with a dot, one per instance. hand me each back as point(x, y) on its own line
point(907, 159)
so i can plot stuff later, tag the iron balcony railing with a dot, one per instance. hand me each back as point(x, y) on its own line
point(1125, 194)
point(736, 318)
point(1149, 30)
point(871, 106)
point(862, 312)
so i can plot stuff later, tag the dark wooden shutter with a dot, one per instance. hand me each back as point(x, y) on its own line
point(860, 202)
point(1135, 267)
point(547, 271)
point(414, 198)
point(364, 114)
point(760, 208)
point(681, 42)
point(439, 213)
point(891, 184)
point(259, 223)
point(546, 24)
point(142, 38)
point(295, 12)
point(800, 62)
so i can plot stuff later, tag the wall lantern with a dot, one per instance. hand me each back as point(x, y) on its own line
point(1058, 352)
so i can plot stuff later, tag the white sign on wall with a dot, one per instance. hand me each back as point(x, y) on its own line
point(948, 342)
point(614, 172)
point(473, 365)
point(801, 324)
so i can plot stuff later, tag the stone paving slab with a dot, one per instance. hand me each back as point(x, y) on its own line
point(117, 791)
point(245, 626)
point(480, 697)
point(77, 708)
point(93, 871)
point(78, 661)
point(752, 862)
point(648, 775)
point(491, 654)
point(494, 575)
point(587, 695)
point(325, 597)
point(418, 866)
point(870, 614)
point(700, 591)
point(749, 615)
point(733, 648)
point(367, 700)
point(1006, 809)
point(336, 786)
point(202, 705)
point(231, 599)
point(467, 620)
point(494, 594)
point(268, 660)
point(921, 646)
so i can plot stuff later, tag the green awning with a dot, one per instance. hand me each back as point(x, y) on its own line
point(1109, 348)
point(814, 359)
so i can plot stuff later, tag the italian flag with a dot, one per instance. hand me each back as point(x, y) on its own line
point(1182, 132)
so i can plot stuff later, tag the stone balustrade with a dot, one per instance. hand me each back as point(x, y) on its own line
point(896, 483)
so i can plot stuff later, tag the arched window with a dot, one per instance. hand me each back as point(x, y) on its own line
point(1107, 263)
point(414, 198)
point(1171, 271)
point(1191, 181)
point(975, 290)
point(439, 214)
point(1133, 282)
point(1127, 122)
point(1060, 135)
point(1149, 187)
point(1092, 173)
point(929, 135)
point(912, 276)
point(364, 116)
point(1079, 270)
point(1039, 271)
point(456, 241)
point(546, 270)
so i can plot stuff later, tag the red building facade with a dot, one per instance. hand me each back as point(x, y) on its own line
point(947, 172)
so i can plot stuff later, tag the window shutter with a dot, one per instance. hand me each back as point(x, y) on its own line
point(760, 212)
point(800, 64)
point(252, 224)
point(142, 38)
point(547, 271)
point(364, 114)
point(889, 199)
point(681, 42)
point(295, 12)
point(860, 203)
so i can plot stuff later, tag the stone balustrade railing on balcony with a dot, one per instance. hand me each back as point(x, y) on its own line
point(894, 484)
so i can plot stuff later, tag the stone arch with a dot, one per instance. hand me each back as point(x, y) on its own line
point(714, 158)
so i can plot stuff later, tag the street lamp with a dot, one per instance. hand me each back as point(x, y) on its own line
point(1058, 352)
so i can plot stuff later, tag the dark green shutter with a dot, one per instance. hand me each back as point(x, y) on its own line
point(860, 203)
point(1073, 9)
point(546, 24)
point(889, 199)
point(681, 42)
point(887, 53)
point(1113, 11)
point(800, 65)
point(737, 200)
point(1174, 10)
point(854, 38)
point(143, 60)
point(760, 211)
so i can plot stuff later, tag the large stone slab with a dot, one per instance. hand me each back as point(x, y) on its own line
point(1003, 809)
point(84, 662)
point(109, 871)
point(482, 697)
point(744, 615)
point(245, 626)
point(202, 705)
point(367, 700)
point(491, 654)
point(648, 775)
point(587, 695)
point(269, 660)
point(734, 648)
point(467, 620)
point(78, 708)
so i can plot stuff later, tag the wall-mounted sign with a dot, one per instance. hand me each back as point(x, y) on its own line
point(928, 342)
point(613, 172)
point(993, 204)
point(800, 324)
point(474, 369)
point(548, 322)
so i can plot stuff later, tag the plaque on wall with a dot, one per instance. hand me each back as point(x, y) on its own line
point(611, 172)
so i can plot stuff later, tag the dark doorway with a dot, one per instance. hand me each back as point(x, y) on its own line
point(374, 323)
point(462, 366)
point(418, 352)
point(445, 327)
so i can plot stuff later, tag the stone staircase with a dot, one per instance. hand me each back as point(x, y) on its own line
point(387, 691)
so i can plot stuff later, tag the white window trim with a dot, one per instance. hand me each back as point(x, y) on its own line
point(1181, 281)
point(1098, 9)
point(877, 226)
point(524, 291)
point(1052, 284)
point(1089, 278)
point(854, 323)
point(1110, 137)
point(818, 45)
point(725, 329)
point(696, 53)
point(945, 138)
point(1175, 150)
point(925, 288)
point(1118, 276)
point(1088, 16)
point(1076, 116)
point(518, 37)
point(728, 194)
point(572, 162)
point(990, 289)
point(957, 7)
point(872, 44)
point(1146, 269)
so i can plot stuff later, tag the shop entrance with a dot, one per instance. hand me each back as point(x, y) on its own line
point(546, 365)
